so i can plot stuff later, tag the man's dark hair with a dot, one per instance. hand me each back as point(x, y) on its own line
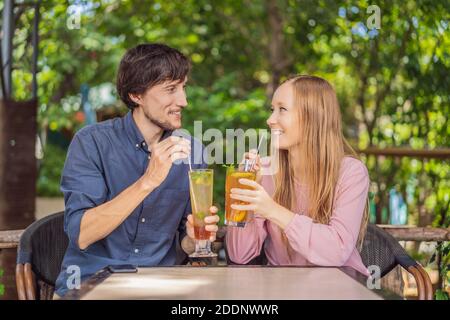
point(147, 65)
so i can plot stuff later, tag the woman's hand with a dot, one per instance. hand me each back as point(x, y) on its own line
point(254, 161)
point(258, 199)
point(261, 203)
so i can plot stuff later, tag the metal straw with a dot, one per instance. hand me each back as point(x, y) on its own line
point(251, 162)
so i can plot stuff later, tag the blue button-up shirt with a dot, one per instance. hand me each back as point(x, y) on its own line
point(103, 160)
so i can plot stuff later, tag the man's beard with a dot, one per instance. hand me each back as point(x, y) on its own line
point(163, 125)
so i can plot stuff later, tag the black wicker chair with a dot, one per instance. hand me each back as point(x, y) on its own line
point(40, 253)
point(383, 250)
point(39, 256)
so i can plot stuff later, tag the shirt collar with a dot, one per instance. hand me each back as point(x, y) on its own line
point(135, 135)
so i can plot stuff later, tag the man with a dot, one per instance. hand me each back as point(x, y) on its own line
point(125, 198)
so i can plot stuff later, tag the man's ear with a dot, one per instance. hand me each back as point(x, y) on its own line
point(136, 98)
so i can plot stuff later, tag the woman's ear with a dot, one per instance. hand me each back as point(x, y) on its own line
point(136, 98)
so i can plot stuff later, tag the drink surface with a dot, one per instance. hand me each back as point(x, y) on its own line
point(232, 181)
point(201, 189)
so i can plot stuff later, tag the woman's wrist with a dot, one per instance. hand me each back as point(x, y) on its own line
point(280, 216)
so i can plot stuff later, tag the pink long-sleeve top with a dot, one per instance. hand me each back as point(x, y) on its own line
point(312, 243)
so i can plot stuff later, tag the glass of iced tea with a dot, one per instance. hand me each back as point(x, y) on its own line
point(236, 218)
point(201, 189)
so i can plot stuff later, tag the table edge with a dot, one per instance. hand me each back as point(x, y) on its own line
point(90, 283)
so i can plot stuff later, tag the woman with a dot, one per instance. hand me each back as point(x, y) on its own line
point(313, 210)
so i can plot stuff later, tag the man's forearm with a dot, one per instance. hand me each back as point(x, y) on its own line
point(100, 221)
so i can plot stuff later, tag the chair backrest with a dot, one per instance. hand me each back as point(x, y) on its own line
point(43, 245)
point(383, 250)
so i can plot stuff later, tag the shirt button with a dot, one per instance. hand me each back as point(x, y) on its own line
point(143, 220)
point(137, 145)
point(136, 250)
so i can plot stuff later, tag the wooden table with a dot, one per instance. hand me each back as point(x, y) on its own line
point(229, 283)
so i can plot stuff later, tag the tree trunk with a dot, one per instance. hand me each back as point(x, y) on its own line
point(17, 177)
point(276, 47)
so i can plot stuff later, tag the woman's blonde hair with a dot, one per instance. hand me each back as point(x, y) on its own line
point(322, 147)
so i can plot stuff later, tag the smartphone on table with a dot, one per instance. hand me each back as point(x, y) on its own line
point(122, 268)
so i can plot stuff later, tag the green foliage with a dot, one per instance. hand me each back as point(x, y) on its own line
point(443, 252)
point(441, 295)
point(392, 83)
point(2, 286)
point(50, 171)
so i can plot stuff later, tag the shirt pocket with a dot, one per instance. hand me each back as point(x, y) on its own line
point(168, 209)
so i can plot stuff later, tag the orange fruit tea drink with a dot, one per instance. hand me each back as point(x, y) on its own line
point(236, 218)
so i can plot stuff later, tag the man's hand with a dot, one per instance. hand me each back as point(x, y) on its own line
point(188, 243)
point(163, 155)
point(210, 224)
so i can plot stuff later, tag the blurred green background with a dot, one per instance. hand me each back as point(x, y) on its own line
point(392, 82)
